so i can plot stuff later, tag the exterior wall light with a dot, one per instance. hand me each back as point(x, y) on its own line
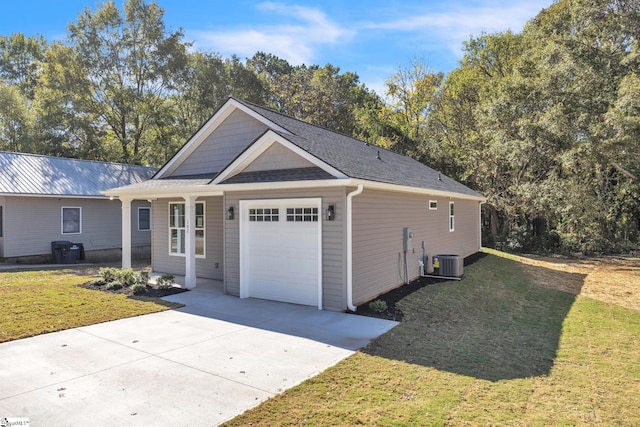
point(230, 214)
point(331, 213)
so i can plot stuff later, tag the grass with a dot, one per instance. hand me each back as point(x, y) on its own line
point(37, 302)
point(511, 344)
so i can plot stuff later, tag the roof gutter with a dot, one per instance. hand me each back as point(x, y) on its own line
point(375, 185)
point(350, 197)
point(56, 196)
point(219, 189)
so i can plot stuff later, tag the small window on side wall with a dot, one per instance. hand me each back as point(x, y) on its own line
point(433, 205)
point(71, 220)
point(144, 219)
point(452, 220)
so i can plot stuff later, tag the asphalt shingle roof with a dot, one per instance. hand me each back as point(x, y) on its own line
point(357, 159)
point(31, 174)
point(297, 174)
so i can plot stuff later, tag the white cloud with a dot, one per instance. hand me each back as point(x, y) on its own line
point(296, 42)
point(453, 26)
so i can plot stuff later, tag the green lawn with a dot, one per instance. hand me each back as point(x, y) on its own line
point(493, 349)
point(36, 302)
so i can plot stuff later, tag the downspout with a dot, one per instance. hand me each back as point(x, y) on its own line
point(350, 196)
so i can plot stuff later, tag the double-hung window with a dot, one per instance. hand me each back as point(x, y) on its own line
point(71, 220)
point(177, 229)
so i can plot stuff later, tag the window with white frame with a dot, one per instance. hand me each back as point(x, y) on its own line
point(71, 220)
point(302, 214)
point(177, 229)
point(144, 219)
point(452, 221)
point(433, 205)
point(264, 215)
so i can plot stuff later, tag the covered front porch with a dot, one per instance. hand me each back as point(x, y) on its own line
point(186, 237)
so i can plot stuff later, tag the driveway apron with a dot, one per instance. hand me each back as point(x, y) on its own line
point(199, 365)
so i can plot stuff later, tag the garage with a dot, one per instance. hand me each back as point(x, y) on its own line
point(281, 250)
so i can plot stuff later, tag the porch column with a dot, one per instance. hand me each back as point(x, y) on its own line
point(126, 232)
point(190, 242)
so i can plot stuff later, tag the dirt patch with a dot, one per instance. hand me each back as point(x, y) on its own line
point(611, 279)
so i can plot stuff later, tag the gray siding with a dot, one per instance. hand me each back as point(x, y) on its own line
point(210, 267)
point(333, 242)
point(223, 145)
point(32, 223)
point(378, 221)
point(2, 204)
point(278, 157)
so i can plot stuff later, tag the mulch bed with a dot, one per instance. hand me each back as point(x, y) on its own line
point(152, 291)
point(395, 295)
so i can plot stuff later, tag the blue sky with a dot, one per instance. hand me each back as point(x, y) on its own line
point(369, 37)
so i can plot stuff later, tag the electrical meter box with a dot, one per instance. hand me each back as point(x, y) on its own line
point(407, 239)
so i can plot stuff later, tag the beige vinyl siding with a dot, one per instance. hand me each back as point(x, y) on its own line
point(223, 145)
point(278, 157)
point(378, 222)
point(162, 262)
point(333, 242)
point(32, 223)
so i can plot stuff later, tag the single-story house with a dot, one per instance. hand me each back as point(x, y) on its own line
point(280, 209)
point(45, 199)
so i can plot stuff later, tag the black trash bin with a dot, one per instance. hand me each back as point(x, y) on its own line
point(72, 255)
point(81, 253)
point(59, 249)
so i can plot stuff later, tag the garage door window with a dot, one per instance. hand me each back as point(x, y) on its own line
point(177, 229)
point(302, 214)
point(264, 215)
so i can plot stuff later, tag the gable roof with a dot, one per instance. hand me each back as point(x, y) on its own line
point(357, 159)
point(346, 159)
point(37, 175)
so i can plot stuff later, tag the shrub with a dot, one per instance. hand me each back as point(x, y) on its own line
point(378, 306)
point(138, 288)
point(165, 281)
point(126, 276)
point(98, 282)
point(108, 274)
point(141, 278)
point(114, 285)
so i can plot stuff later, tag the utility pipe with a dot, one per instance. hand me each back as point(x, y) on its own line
point(350, 196)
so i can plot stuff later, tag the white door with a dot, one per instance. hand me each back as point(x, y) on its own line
point(280, 250)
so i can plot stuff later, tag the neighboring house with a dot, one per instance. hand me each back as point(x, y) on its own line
point(281, 209)
point(45, 199)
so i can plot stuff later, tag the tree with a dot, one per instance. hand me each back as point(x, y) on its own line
point(20, 61)
point(126, 63)
point(15, 120)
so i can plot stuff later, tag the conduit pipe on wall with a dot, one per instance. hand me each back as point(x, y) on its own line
point(350, 197)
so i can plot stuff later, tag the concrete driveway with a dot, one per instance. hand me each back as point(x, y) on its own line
point(198, 366)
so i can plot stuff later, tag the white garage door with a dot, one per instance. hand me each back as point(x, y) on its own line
point(280, 250)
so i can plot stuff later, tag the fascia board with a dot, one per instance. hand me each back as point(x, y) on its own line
point(220, 189)
point(53, 196)
point(372, 185)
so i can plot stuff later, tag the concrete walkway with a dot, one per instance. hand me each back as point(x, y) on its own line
point(198, 366)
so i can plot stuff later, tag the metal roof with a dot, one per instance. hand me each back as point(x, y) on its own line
point(32, 174)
